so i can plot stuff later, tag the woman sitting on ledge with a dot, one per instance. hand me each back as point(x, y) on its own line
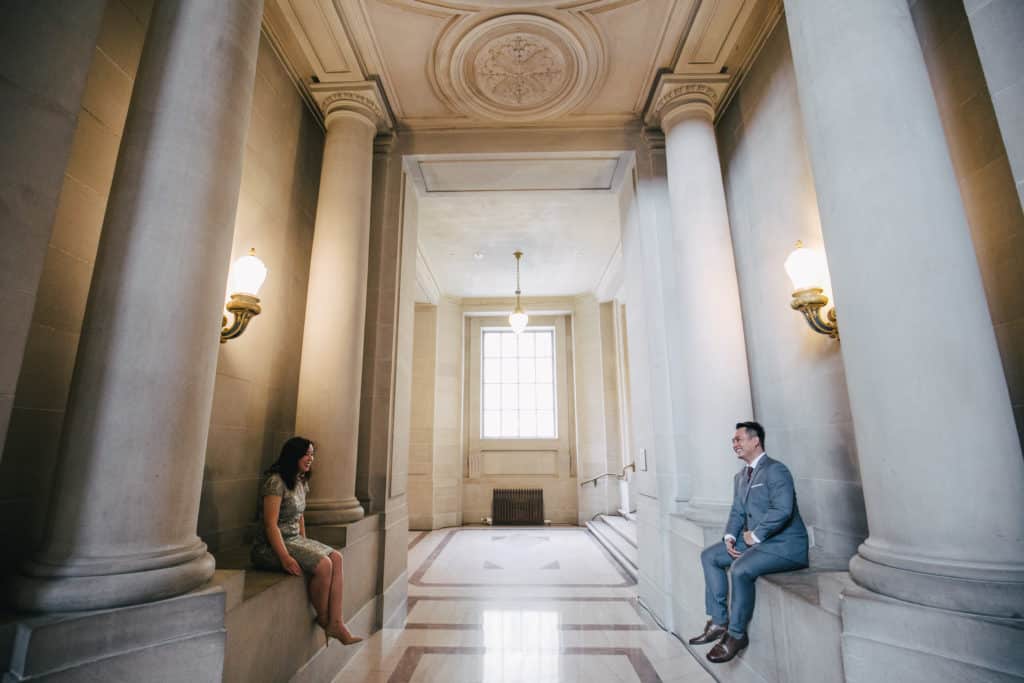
point(281, 543)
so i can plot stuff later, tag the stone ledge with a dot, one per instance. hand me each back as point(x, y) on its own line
point(271, 632)
point(795, 634)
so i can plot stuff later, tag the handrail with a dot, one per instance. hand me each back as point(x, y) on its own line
point(619, 475)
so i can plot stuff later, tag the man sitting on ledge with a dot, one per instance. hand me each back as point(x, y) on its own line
point(764, 535)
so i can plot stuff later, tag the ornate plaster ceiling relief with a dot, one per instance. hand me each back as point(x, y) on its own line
point(674, 93)
point(517, 67)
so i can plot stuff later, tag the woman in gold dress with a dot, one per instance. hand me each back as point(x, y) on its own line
point(281, 542)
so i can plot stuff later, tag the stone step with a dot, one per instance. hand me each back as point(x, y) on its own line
point(616, 546)
point(619, 536)
point(625, 527)
point(233, 583)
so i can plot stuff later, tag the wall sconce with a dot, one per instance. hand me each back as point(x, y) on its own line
point(246, 278)
point(807, 271)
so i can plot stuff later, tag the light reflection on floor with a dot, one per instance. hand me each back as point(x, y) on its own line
point(500, 605)
point(526, 642)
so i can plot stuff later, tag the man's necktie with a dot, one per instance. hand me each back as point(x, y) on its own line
point(750, 471)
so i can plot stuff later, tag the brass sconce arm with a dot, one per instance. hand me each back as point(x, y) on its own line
point(810, 302)
point(242, 308)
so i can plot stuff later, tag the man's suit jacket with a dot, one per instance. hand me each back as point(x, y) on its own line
point(767, 506)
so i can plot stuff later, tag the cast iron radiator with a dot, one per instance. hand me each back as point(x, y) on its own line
point(517, 506)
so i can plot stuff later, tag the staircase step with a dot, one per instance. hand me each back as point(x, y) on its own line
point(619, 550)
point(625, 527)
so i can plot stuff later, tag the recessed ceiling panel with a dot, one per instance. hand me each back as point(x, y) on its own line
point(483, 175)
point(568, 239)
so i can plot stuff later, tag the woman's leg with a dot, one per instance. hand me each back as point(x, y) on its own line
point(320, 590)
point(336, 586)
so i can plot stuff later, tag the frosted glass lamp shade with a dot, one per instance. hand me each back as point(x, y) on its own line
point(518, 320)
point(806, 268)
point(247, 275)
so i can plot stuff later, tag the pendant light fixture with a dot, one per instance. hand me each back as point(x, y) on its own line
point(518, 318)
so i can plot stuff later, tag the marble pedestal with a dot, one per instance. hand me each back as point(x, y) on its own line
point(888, 639)
point(178, 639)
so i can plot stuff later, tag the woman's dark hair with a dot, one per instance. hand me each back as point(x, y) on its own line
point(287, 464)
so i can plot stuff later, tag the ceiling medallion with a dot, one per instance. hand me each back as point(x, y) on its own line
point(520, 70)
point(517, 67)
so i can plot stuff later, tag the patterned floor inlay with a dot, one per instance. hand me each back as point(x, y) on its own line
point(558, 557)
point(520, 605)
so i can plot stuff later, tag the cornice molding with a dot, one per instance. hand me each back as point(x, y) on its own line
point(676, 96)
point(366, 99)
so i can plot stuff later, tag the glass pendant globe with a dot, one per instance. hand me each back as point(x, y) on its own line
point(518, 320)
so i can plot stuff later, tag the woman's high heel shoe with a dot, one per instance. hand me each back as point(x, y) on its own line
point(342, 636)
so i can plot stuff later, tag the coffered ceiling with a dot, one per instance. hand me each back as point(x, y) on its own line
point(487, 63)
point(478, 64)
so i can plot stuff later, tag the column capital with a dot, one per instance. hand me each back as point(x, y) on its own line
point(676, 96)
point(654, 140)
point(365, 99)
point(383, 144)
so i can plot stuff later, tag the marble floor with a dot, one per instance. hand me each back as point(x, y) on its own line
point(520, 605)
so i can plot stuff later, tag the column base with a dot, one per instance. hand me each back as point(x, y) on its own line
point(980, 589)
point(343, 511)
point(888, 639)
point(42, 589)
point(178, 639)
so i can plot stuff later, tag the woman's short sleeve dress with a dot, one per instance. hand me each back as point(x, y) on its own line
point(306, 552)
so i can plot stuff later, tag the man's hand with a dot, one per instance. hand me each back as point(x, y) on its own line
point(730, 547)
point(748, 538)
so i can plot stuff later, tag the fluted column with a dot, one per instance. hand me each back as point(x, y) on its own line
point(715, 387)
point(939, 456)
point(122, 521)
point(332, 344)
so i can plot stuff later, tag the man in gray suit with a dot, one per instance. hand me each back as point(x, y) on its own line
point(764, 535)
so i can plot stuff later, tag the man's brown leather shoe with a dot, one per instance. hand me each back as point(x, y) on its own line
point(727, 648)
point(712, 632)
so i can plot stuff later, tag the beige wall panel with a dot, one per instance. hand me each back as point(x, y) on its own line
point(257, 374)
point(797, 379)
point(45, 374)
point(983, 170)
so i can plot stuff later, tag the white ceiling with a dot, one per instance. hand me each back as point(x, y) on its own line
point(490, 208)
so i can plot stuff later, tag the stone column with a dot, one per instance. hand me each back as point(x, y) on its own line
point(332, 344)
point(715, 387)
point(940, 460)
point(122, 521)
point(48, 47)
point(998, 28)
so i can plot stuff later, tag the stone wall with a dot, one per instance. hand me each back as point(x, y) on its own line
point(597, 437)
point(30, 451)
point(421, 428)
point(987, 185)
point(448, 455)
point(254, 401)
point(258, 373)
point(797, 379)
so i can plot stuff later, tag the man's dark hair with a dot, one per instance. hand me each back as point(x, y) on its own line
point(753, 429)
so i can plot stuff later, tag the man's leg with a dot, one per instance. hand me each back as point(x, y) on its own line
point(752, 564)
point(715, 559)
